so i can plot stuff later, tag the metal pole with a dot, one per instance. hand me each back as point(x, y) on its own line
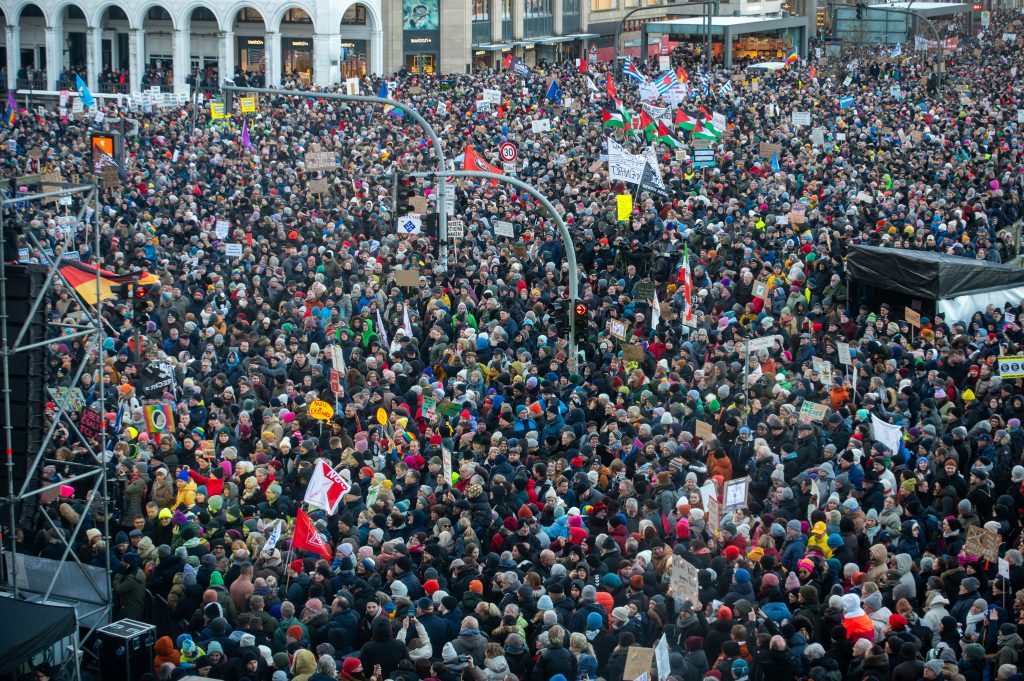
point(442, 165)
point(563, 231)
point(8, 426)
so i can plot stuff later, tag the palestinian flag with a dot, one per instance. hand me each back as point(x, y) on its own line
point(684, 120)
point(612, 119)
point(702, 132)
point(708, 122)
point(647, 125)
point(665, 137)
point(82, 278)
point(627, 119)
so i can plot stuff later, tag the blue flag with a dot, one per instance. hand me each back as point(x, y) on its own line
point(775, 163)
point(83, 92)
point(385, 93)
point(555, 93)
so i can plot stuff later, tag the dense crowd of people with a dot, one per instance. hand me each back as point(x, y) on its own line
point(580, 485)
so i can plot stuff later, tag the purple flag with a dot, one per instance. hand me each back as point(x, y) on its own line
point(245, 135)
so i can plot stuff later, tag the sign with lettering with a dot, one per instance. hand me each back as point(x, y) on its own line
point(812, 411)
point(320, 160)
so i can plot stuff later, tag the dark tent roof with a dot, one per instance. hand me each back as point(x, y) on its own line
point(927, 274)
point(27, 628)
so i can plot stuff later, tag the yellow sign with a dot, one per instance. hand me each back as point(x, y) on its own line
point(625, 203)
point(382, 416)
point(248, 104)
point(216, 110)
point(320, 410)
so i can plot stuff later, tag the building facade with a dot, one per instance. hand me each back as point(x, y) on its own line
point(121, 46)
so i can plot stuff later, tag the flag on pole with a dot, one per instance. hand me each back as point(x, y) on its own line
point(275, 536)
point(307, 538)
point(592, 87)
point(584, 66)
point(385, 93)
point(896, 51)
point(687, 280)
point(665, 82)
point(83, 92)
point(648, 125)
point(612, 119)
point(726, 88)
point(630, 71)
point(406, 324)
point(684, 120)
point(793, 56)
point(381, 331)
point(708, 121)
point(326, 487)
point(11, 114)
point(246, 142)
point(665, 136)
point(471, 160)
point(655, 312)
point(554, 93)
point(609, 87)
point(775, 163)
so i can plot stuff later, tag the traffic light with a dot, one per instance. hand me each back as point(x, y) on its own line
point(403, 195)
point(123, 291)
point(140, 300)
point(429, 223)
point(860, 11)
point(580, 314)
point(976, 7)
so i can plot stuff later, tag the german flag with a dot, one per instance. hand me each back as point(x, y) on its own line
point(83, 278)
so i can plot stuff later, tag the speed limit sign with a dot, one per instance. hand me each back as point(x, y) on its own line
point(508, 152)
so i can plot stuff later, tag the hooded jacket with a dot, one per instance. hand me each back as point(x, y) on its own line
point(382, 648)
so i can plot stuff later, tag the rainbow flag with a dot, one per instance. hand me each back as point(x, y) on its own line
point(11, 114)
point(793, 57)
point(159, 417)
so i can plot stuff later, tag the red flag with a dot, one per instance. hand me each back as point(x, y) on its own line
point(610, 88)
point(306, 537)
point(474, 161)
point(584, 66)
point(507, 61)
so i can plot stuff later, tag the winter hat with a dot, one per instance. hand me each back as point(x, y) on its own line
point(742, 576)
point(731, 553)
point(935, 666)
point(350, 665)
point(594, 621)
point(874, 601)
point(295, 631)
point(792, 582)
point(620, 614)
point(589, 594)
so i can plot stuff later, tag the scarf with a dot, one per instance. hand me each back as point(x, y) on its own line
point(973, 621)
point(469, 632)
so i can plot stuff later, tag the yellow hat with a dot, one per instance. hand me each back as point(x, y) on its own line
point(819, 528)
point(969, 395)
point(756, 554)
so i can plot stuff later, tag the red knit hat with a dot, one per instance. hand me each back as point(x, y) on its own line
point(430, 586)
point(731, 553)
point(897, 621)
point(296, 565)
point(295, 631)
point(350, 665)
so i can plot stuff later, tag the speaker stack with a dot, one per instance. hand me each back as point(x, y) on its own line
point(27, 369)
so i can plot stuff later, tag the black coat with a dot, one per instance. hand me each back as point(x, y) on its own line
point(555, 661)
point(382, 648)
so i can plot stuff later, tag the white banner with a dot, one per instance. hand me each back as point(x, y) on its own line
point(623, 165)
point(886, 433)
point(658, 113)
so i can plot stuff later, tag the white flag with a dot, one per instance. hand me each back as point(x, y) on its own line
point(406, 324)
point(381, 331)
point(275, 536)
point(655, 312)
point(886, 433)
point(326, 487)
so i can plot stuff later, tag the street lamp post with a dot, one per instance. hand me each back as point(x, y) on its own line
point(230, 89)
point(563, 231)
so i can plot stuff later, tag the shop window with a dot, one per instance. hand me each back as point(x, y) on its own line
point(481, 10)
point(248, 15)
point(355, 16)
point(296, 16)
point(538, 8)
point(599, 5)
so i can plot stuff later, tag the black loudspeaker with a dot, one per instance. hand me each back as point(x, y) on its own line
point(27, 378)
point(125, 649)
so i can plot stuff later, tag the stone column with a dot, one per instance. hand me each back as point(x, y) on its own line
point(54, 55)
point(13, 56)
point(377, 52)
point(136, 58)
point(93, 56)
point(272, 58)
point(227, 55)
point(182, 58)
